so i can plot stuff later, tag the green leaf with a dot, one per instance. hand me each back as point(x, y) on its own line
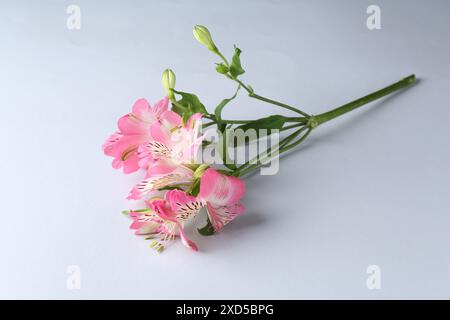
point(235, 67)
point(190, 102)
point(219, 108)
point(274, 122)
point(271, 122)
point(207, 230)
point(178, 108)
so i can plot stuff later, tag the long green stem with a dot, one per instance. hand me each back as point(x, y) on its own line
point(327, 116)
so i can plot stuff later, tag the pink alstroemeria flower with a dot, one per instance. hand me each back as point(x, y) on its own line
point(134, 131)
point(166, 217)
point(221, 195)
point(174, 153)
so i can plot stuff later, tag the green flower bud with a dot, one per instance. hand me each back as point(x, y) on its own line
point(200, 170)
point(201, 33)
point(221, 68)
point(168, 82)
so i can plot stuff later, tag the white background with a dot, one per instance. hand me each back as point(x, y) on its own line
point(371, 188)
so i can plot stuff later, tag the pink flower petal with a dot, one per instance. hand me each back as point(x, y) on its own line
point(143, 223)
point(182, 204)
point(188, 243)
point(139, 120)
point(131, 164)
point(162, 209)
point(194, 121)
point(126, 146)
point(109, 145)
point(171, 119)
point(161, 167)
point(161, 134)
point(124, 149)
point(219, 189)
point(141, 108)
point(161, 107)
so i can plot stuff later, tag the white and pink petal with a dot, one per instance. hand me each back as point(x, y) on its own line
point(157, 182)
point(220, 216)
point(188, 243)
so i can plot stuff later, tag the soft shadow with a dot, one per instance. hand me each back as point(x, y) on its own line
point(246, 221)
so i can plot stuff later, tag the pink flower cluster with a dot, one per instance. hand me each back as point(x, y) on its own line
point(157, 141)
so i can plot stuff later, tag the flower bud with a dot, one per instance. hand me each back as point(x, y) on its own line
point(201, 33)
point(168, 82)
point(221, 68)
point(200, 170)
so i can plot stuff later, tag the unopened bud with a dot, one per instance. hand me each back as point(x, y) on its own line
point(199, 171)
point(168, 82)
point(201, 33)
point(221, 68)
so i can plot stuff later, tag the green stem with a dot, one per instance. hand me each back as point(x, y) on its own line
point(277, 103)
point(299, 120)
point(290, 119)
point(327, 116)
point(282, 147)
point(268, 152)
point(283, 142)
point(252, 94)
point(223, 58)
point(291, 126)
point(285, 148)
point(205, 125)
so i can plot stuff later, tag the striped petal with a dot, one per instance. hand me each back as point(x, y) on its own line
point(188, 243)
point(183, 205)
point(220, 216)
point(157, 182)
point(144, 222)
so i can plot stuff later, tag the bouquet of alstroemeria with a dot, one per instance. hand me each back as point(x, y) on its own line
point(169, 144)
